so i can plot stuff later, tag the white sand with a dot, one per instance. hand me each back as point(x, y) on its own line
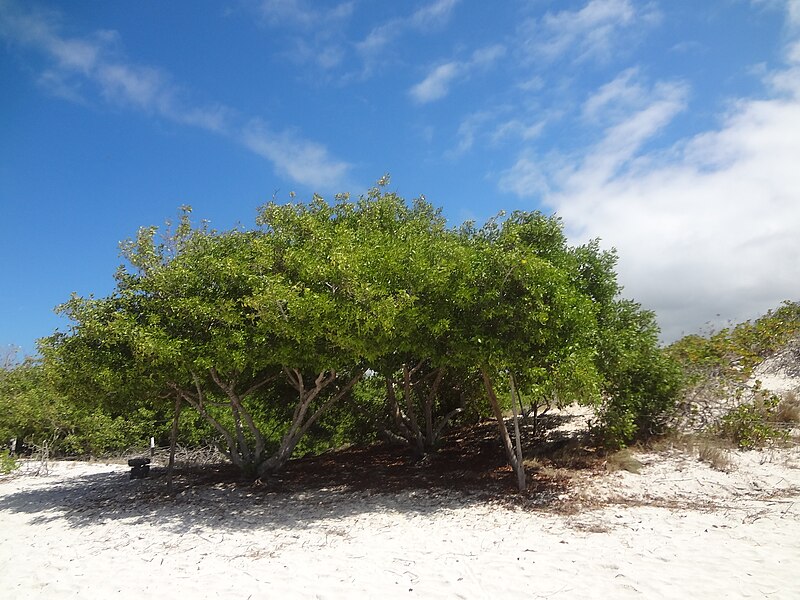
point(677, 530)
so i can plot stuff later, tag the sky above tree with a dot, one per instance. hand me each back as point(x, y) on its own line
point(670, 130)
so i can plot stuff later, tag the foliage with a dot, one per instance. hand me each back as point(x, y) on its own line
point(753, 424)
point(211, 319)
point(719, 366)
point(526, 309)
point(732, 353)
point(265, 333)
point(641, 380)
point(8, 464)
point(34, 411)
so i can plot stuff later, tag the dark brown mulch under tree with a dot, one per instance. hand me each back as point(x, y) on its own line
point(469, 461)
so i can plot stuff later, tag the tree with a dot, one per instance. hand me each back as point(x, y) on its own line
point(523, 318)
point(212, 320)
point(36, 413)
point(261, 332)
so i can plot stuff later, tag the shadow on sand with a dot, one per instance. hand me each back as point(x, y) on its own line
point(468, 469)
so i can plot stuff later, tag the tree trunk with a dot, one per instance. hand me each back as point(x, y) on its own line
point(256, 455)
point(198, 404)
point(399, 421)
point(513, 458)
point(300, 424)
point(173, 442)
point(521, 471)
point(430, 438)
point(419, 441)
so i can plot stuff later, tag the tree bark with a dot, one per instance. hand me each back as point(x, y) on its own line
point(516, 463)
point(240, 412)
point(521, 471)
point(198, 404)
point(399, 420)
point(430, 439)
point(419, 442)
point(173, 442)
point(300, 424)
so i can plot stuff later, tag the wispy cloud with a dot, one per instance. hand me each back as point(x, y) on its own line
point(468, 131)
point(706, 226)
point(494, 127)
point(622, 94)
point(436, 84)
point(793, 9)
point(90, 69)
point(632, 114)
point(426, 19)
point(303, 13)
point(302, 160)
point(322, 43)
point(593, 32)
point(433, 15)
point(520, 129)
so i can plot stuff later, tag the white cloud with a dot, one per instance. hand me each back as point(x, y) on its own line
point(468, 131)
point(303, 14)
point(590, 33)
point(623, 140)
point(321, 42)
point(494, 127)
point(484, 58)
point(433, 15)
point(302, 160)
point(142, 87)
point(648, 112)
point(793, 7)
point(376, 41)
point(80, 65)
point(621, 94)
point(516, 128)
point(533, 84)
point(707, 227)
point(426, 19)
point(436, 84)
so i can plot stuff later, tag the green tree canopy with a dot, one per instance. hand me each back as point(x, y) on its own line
point(261, 331)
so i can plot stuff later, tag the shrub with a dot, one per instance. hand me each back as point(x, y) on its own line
point(8, 464)
point(788, 410)
point(753, 424)
point(623, 461)
point(642, 381)
point(733, 353)
point(715, 456)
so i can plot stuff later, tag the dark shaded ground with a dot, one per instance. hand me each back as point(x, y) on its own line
point(469, 468)
point(470, 460)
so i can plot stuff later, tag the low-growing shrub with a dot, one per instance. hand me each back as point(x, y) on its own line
point(788, 410)
point(718, 458)
point(623, 461)
point(753, 424)
point(8, 464)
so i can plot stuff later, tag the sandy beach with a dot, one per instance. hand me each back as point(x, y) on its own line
point(676, 529)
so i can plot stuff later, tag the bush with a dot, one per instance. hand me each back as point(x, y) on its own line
point(711, 453)
point(8, 464)
point(753, 425)
point(97, 433)
point(642, 381)
point(788, 410)
point(733, 353)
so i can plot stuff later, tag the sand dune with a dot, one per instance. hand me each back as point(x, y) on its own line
point(677, 529)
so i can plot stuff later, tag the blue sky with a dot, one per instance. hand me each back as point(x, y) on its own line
point(669, 129)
